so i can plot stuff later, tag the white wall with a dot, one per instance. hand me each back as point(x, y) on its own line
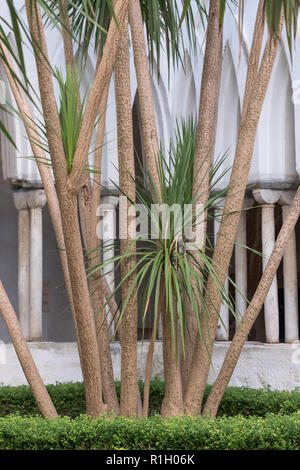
point(259, 366)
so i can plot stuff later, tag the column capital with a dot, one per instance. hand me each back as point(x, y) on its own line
point(29, 199)
point(107, 203)
point(36, 198)
point(266, 196)
point(20, 200)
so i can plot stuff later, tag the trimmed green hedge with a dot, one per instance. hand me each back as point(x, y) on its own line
point(235, 433)
point(69, 400)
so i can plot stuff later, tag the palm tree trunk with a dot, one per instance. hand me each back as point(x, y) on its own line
point(148, 370)
point(97, 287)
point(252, 312)
point(205, 144)
point(32, 375)
point(128, 400)
point(150, 136)
point(229, 224)
point(67, 188)
point(172, 404)
point(84, 314)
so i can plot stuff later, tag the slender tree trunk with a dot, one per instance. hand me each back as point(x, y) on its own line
point(97, 282)
point(107, 373)
point(209, 101)
point(68, 185)
point(84, 315)
point(151, 143)
point(172, 404)
point(205, 145)
point(32, 375)
point(252, 312)
point(148, 371)
point(229, 224)
point(128, 402)
point(68, 206)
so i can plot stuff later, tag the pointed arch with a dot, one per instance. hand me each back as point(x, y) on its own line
point(184, 97)
point(161, 106)
point(275, 165)
point(17, 166)
point(229, 116)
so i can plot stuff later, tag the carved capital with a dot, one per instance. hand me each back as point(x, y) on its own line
point(36, 198)
point(29, 199)
point(266, 196)
point(108, 203)
point(20, 200)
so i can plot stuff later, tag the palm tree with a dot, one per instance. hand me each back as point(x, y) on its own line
point(173, 270)
point(256, 87)
point(67, 162)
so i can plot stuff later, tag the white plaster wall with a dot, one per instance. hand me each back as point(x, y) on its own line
point(260, 365)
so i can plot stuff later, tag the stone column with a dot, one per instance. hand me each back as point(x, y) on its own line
point(290, 279)
point(223, 324)
point(267, 198)
point(20, 201)
point(241, 280)
point(108, 236)
point(36, 200)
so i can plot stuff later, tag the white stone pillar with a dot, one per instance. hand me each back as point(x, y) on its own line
point(108, 236)
point(20, 201)
point(223, 324)
point(291, 316)
point(241, 280)
point(267, 198)
point(36, 201)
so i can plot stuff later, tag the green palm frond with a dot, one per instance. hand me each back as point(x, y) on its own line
point(89, 20)
point(70, 112)
point(273, 9)
point(163, 21)
point(167, 259)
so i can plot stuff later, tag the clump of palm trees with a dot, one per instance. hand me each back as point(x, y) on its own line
point(187, 285)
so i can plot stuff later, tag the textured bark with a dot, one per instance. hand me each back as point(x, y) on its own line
point(98, 285)
point(205, 144)
point(150, 135)
point(107, 373)
point(229, 224)
point(98, 88)
point(128, 400)
point(252, 312)
point(88, 200)
point(148, 371)
point(66, 33)
point(68, 205)
point(172, 404)
point(208, 106)
point(32, 375)
point(84, 315)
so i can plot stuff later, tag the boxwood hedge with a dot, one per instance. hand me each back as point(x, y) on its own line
point(69, 400)
point(225, 433)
